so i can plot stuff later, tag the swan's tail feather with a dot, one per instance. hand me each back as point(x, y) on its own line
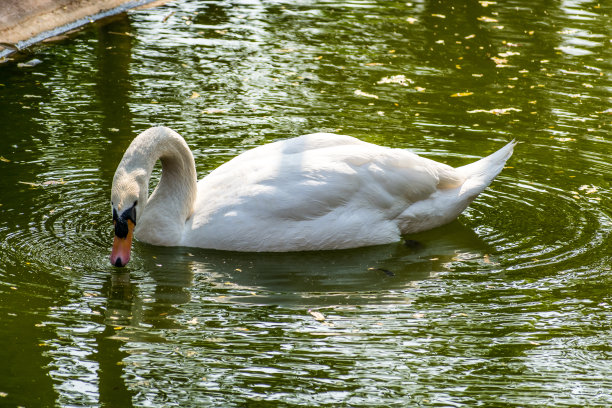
point(446, 204)
point(482, 172)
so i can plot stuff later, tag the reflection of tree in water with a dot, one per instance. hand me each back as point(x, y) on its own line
point(112, 90)
point(29, 288)
point(501, 53)
point(112, 388)
point(113, 87)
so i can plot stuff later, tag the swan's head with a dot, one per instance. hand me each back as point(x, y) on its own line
point(128, 198)
point(124, 229)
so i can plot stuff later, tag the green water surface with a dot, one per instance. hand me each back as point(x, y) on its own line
point(510, 305)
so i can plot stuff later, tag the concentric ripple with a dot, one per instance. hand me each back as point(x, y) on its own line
point(538, 225)
point(63, 229)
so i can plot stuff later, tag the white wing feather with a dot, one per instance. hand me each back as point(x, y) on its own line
point(326, 191)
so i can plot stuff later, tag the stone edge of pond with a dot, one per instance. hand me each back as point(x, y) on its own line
point(30, 22)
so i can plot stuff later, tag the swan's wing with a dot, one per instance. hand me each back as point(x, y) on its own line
point(308, 176)
point(316, 187)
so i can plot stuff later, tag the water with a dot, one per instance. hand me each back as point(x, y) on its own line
point(508, 306)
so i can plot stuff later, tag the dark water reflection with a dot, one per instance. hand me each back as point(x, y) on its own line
point(509, 305)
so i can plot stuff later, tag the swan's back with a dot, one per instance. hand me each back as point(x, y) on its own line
point(318, 191)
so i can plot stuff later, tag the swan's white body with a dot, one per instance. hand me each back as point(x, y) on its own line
point(313, 192)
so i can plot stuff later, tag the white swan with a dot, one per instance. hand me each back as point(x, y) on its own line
point(313, 192)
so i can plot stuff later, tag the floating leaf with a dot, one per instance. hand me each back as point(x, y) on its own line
point(500, 62)
point(411, 20)
point(194, 95)
point(53, 182)
point(359, 92)
point(461, 94)
point(487, 19)
point(374, 64)
point(438, 15)
point(4, 159)
point(29, 64)
point(27, 183)
point(588, 189)
point(498, 111)
point(213, 111)
point(318, 316)
point(396, 79)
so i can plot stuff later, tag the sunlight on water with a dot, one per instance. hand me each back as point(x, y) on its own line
point(509, 305)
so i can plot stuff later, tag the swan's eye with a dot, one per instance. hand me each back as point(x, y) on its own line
point(131, 215)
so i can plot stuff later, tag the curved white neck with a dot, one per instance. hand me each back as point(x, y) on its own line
point(161, 218)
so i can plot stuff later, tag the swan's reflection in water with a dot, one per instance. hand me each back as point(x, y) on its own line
point(184, 296)
point(166, 278)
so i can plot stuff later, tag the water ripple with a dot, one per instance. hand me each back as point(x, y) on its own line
point(553, 226)
point(510, 305)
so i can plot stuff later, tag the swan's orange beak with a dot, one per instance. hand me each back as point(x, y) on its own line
point(122, 245)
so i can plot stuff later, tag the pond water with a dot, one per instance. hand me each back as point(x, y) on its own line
point(510, 305)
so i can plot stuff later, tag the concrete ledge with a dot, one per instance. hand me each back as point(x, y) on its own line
point(27, 22)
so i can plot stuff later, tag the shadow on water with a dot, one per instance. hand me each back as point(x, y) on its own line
point(113, 91)
point(113, 87)
point(354, 276)
point(109, 356)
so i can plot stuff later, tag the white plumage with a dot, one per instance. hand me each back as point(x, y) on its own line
point(313, 192)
